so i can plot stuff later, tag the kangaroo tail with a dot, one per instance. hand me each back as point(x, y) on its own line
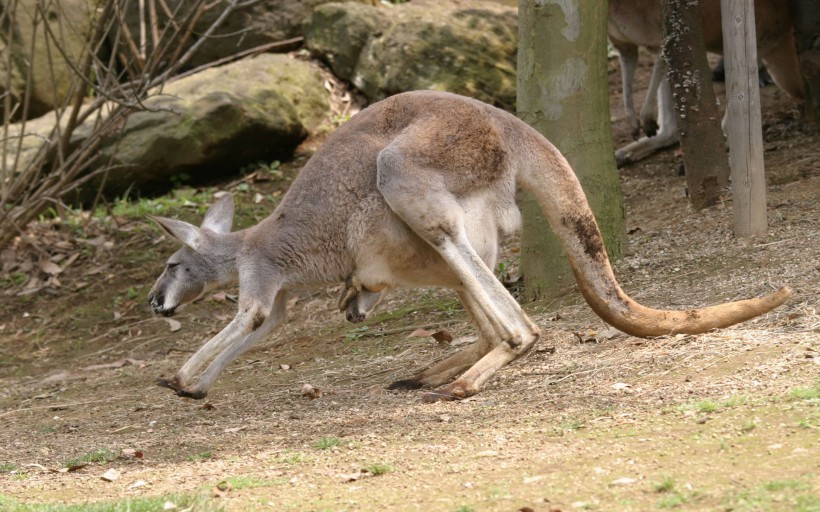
point(546, 174)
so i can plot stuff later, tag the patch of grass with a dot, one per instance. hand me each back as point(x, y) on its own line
point(781, 485)
point(290, 458)
point(810, 393)
point(464, 508)
point(250, 482)
point(98, 455)
point(666, 484)
point(748, 426)
point(706, 406)
point(325, 443)
point(198, 503)
point(379, 469)
point(776, 495)
point(7, 467)
point(572, 424)
point(199, 457)
point(671, 501)
point(734, 401)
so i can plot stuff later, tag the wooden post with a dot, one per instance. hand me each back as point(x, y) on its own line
point(743, 120)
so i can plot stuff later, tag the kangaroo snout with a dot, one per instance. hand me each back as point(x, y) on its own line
point(157, 303)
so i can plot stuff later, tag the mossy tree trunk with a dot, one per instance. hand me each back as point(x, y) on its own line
point(563, 93)
point(701, 138)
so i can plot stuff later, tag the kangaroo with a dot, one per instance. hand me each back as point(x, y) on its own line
point(634, 23)
point(413, 191)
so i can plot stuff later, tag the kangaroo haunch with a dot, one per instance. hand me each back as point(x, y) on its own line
point(412, 191)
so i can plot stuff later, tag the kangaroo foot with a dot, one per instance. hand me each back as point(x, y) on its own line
point(448, 393)
point(178, 387)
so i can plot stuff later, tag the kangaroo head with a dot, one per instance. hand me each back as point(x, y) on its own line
point(207, 258)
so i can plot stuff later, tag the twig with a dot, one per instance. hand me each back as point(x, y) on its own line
point(373, 334)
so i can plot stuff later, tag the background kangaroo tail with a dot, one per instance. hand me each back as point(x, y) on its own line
point(546, 174)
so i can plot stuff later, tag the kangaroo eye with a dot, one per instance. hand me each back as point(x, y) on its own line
point(170, 266)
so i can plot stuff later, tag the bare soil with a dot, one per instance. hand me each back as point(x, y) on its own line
point(591, 419)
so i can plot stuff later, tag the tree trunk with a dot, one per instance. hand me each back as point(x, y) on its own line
point(806, 16)
point(701, 138)
point(743, 109)
point(563, 93)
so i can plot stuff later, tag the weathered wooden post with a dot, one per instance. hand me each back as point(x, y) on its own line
point(743, 120)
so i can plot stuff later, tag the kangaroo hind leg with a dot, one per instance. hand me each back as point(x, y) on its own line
point(419, 196)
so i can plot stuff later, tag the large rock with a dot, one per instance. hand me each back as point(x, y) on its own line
point(29, 48)
point(205, 126)
point(458, 46)
point(263, 22)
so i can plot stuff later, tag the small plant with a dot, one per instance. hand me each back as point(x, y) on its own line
point(464, 508)
point(379, 469)
point(811, 393)
point(290, 458)
point(667, 484)
point(325, 443)
point(572, 424)
point(248, 482)
point(99, 455)
point(198, 457)
point(7, 467)
point(748, 426)
point(356, 333)
point(671, 501)
point(706, 406)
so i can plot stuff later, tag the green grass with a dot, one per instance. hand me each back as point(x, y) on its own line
point(199, 457)
point(706, 406)
point(196, 503)
point(325, 443)
point(249, 482)
point(379, 469)
point(671, 501)
point(667, 484)
point(290, 458)
point(810, 393)
point(98, 455)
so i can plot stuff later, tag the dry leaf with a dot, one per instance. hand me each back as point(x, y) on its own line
point(312, 392)
point(234, 429)
point(207, 406)
point(116, 364)
point(620, 386)
point(623, 481)
point(130, 453)
point(175, 325)
point(50, 267)
point(138, 483)
point(111, 475)
point(420, 333)
point(284, 366)
point(258, 198)
point(442, 336)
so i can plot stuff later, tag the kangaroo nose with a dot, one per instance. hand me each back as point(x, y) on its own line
point(156, 300)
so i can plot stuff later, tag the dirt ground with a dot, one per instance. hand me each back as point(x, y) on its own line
point(590, 420)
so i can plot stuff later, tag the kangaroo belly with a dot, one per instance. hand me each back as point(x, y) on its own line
point(387, 253)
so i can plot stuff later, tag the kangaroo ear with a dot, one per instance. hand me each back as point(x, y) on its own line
point(219, 216)
point(188, 234)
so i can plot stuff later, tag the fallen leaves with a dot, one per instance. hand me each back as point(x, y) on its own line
point(441, 336)
point(175, 325)
point(310, 391)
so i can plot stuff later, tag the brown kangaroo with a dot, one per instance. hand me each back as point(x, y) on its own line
point(412, 191)
point(634, 23)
